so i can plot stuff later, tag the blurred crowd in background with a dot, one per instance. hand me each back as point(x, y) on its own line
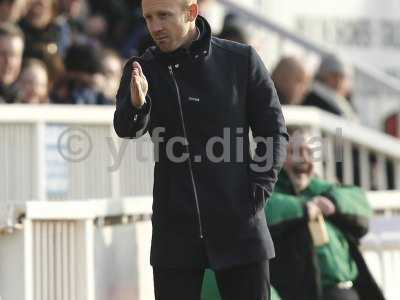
point(73, 51)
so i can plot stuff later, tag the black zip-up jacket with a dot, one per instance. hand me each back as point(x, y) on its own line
point(207, 212)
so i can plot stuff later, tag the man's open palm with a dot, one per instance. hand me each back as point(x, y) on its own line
point(139, 86)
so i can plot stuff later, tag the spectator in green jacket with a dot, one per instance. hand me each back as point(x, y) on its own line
point(301, 270)
point(210, 288)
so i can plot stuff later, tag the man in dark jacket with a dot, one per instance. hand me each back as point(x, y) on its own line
point(198, 96)
point(331, 88)
point(334, 270)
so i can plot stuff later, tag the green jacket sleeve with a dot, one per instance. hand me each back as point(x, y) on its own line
point(352, 209)
point(350, 200)
point(285, 213)
point(283, 207)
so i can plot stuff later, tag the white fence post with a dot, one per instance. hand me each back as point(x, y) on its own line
point(382, 172)
point(348, 172)
point(59, 260)
point(397, 174)
point(28, 260)
point(364, 168)
point(115, 174)
point(40, 147)
point(84, 260)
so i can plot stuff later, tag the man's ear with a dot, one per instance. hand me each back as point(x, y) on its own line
point(192, 12)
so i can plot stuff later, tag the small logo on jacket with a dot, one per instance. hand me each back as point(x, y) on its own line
point(194, 99)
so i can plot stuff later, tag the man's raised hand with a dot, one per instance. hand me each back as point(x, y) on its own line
point(139, 86)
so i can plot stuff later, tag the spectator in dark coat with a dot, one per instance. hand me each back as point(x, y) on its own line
point(331, 87)
point(329, 92)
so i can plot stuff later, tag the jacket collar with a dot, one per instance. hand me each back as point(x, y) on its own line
point(199, 48)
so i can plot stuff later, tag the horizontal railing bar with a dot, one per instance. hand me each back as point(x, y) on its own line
point(294, 115)
point(356, 133)
point(52, 113)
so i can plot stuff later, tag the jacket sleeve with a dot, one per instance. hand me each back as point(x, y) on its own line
point(285, 213)
point(130, 122)
point(268, 128)
point(352, 210)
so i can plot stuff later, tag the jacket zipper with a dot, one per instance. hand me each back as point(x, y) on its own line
point(187, 149)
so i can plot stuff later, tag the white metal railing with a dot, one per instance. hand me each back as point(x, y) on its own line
point(381, 246)
point(71, 250)
point(372, 87)
point(61, 249)
point(385, 203)
point(71, 152)
point(67, 248)
point(361, 151)
point(53, 227)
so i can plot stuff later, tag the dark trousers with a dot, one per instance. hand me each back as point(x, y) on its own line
point(249, 282)
point(340, 294)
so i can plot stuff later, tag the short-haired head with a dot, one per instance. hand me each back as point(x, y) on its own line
point(291, 80)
